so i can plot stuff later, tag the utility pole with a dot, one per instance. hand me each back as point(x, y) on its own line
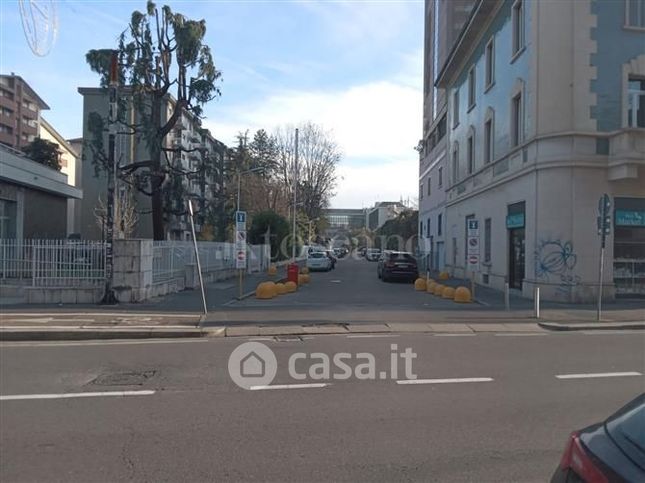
point(295, 208)
point(604, 228)
point(109, 297)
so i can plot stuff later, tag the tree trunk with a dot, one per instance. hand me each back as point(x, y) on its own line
point(158, 222)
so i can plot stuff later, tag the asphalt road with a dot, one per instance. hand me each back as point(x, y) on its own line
point(506, 418)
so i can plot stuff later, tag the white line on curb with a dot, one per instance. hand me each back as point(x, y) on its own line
point(128, 315)
point(288, 386)
point(454, 335)
point(18, 397)
point(99, 343)
point(519, 334)
point(598, 374)
point(444, 381)
point(370, 336)
point(613, 332)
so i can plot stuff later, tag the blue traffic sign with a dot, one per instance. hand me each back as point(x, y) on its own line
point(240, 216)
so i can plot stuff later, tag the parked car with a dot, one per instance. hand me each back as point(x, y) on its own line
point(372, 254)
point(611, 451)
point(362, 251)
point(318, 261)
point(401, 265)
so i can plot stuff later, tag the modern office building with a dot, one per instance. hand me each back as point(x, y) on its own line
point(545, 113)
point(20, 108)
point(381, 212)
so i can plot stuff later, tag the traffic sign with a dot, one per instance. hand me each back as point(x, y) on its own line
point(240, 216)
point(240, 259)
point(473, 262)
point(473, 227)
point(240, 237)
point(473, 245)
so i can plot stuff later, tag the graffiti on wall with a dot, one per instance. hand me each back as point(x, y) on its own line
point(555, 262)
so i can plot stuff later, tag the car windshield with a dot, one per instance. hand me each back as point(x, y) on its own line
point(317, 255)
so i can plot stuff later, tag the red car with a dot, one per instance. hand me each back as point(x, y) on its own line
point(609, 452)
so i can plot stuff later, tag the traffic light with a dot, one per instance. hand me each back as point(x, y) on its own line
point(603, 221)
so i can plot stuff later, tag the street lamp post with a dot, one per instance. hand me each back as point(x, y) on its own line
point(295, 206)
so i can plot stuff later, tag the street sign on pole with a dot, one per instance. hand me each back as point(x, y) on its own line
point(604, 228)
point(240, 240)
point(472, 246)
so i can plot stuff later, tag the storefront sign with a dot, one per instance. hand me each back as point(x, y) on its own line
point(516, 220)
point(630, 218)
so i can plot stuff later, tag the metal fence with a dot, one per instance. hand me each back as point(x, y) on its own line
point(52, 263)
point(170, 258)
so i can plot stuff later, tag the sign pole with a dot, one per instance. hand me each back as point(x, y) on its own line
point(240, 249)
point(199, 266)
point(604, 229)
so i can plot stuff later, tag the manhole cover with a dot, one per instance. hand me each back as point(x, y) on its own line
point(135, 378)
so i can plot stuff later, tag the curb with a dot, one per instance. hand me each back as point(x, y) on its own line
point(92, 334)
point(556, 326)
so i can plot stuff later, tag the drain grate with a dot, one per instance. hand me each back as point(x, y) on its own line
point(134, 378)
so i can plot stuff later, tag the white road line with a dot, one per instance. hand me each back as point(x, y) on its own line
point(262, 338)
point(371, 336)
point(98, 327)
point(519, 334)
point(598, 374)
point(613, 332)
point(69, 395)
point(288, 386)
point(96, 314)
point(93, 343)
point(455, 335)
point(444, 381)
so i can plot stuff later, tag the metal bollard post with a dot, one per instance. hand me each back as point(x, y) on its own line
point(537, 302)
point(507, 296)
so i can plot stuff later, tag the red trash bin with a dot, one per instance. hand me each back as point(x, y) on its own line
point(292, 272)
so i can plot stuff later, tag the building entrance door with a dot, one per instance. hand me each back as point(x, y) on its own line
point(516, 258)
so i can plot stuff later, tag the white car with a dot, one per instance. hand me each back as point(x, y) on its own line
point(318, 261)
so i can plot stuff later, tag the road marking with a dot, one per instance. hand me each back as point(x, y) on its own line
point(613, 332)
point(262, 338)
point(92, 343)
point(454, 335)
point(69, 395)
point(598, 374)
point(371, 336)
point(444, 381)
point(98, 327)
point(289, 386)
point(96, 314)
point(519, 334)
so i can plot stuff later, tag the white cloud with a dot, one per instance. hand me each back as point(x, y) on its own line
point(376, 124)
point(360, 187)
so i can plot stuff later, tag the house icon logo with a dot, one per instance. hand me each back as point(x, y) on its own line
point(252, 364)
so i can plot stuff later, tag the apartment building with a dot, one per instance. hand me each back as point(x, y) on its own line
point(20, 108)
point(204, 187)
point(545, 113)
point(444, 20)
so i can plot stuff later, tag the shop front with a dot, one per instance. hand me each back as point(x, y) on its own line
point(629, 247)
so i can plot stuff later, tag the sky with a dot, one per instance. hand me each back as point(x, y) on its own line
point(353, 67)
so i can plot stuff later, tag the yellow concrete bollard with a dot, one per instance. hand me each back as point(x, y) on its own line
point(291, 287)
point(264, 291)
point(463, 295)
point(271, 286)
point(430, 280)
point(306, 277)
point(448, 293)
point(420, 284)
point(438, 288)
point(444, 276)
point(303, 278)
point(272, 270)
point(430, 286)
point(281, 288)
point(304, 270)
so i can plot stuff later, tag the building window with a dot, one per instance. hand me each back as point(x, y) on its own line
point(439, 220)
point(420, 191)
point(635, 13)
point(428, 229)
point(636, 102)
point(455, 108)
point(487, 238)
point(517, 124)
point(455, 163)
point(518, 26)
point(471, 87)
point(429, 186)
point(488, 141)
point(440, 177)
point(490, 62)
point(470, 153)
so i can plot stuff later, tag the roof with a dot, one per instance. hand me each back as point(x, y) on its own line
point(61, 140)
point(32, 93)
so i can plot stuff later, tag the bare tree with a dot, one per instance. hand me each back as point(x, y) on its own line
point(318, 156)
point(125, 215)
